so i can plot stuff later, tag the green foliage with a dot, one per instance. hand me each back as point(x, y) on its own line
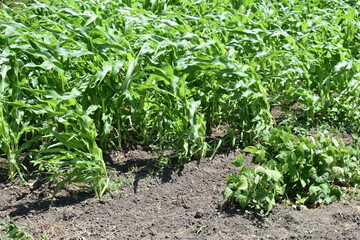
point(308, 169)
point(78, 77)
point(254, 189)
point(9, 230)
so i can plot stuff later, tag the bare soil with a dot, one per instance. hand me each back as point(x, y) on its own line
point(185, 204)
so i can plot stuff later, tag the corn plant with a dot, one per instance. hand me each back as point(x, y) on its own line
point(10, 230)
point(79, 77)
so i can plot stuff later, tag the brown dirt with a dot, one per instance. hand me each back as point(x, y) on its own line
point(174, 205)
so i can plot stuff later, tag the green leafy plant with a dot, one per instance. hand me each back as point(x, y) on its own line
point(310, 170)
point(9, 230)
point(79, 77)
point(254, 189)
point(313, 168)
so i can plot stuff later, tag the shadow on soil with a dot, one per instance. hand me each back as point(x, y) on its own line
point(143, 168)
point(40, 205)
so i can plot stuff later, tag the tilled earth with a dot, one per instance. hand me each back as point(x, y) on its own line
point(184, 204)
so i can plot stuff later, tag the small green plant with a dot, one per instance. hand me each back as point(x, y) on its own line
point(9, 230)
point(118, 183)
point(197, 230)
point(308, 170)
point(253, 189)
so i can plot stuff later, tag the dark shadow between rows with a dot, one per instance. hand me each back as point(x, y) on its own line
point(143, 168)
